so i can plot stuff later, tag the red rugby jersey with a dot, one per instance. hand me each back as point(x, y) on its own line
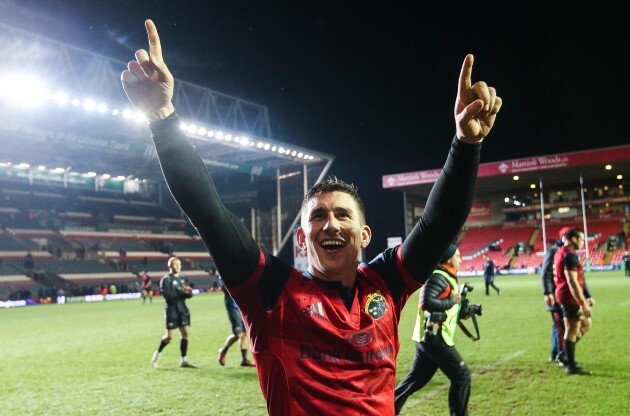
point(566, 259)
point(316, 357)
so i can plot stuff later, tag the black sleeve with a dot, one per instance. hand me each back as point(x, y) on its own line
point(232, 247)
point(546, 273)
point(430, 292)
point(446, 211)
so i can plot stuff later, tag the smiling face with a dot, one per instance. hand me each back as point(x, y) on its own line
point(333, 233)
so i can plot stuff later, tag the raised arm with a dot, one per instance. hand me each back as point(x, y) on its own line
point(149, 86)
point(449, 203)
point(147, 81)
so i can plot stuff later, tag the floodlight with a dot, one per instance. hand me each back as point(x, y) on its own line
point(22, 90)
point(89, 105)
point(61, 98)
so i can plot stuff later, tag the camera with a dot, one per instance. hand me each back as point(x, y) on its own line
point(468, 309)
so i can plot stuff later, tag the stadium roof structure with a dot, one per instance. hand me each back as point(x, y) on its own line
point(62, 106)
point(557, 171)
point(63, 109)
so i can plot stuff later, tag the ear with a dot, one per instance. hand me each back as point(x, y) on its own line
point(300, 237)
point(366, 236)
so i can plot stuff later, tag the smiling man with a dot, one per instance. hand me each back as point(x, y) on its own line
point(325, 341)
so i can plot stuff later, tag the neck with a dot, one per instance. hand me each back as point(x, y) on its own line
point(345, 279)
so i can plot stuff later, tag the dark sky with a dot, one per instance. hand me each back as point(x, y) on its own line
point(375, 84)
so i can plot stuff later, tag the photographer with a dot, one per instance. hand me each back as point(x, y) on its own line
point(438, 313)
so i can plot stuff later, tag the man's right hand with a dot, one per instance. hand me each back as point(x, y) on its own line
point(586, 309)
point(147, 81)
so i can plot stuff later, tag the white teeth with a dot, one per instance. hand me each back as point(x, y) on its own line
point(332, 243)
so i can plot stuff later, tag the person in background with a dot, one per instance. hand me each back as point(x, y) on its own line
point(436, 322)
point(146, 287)
point(175, 289)
point(549, 288)
point(488, 274)
point(238, 330)
point(325, 340)
point(575, 302)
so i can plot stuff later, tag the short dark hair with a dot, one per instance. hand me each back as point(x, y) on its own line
point(334, 184)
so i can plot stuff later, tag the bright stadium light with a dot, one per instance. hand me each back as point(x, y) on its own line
point(22, 90)
point(61, 98)
point(89, 105)
point(138, 116)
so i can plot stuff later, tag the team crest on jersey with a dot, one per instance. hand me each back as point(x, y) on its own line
point(376, 305)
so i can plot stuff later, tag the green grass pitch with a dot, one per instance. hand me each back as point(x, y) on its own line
point(94, 359)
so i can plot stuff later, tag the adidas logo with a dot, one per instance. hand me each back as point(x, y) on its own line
point(315, 310)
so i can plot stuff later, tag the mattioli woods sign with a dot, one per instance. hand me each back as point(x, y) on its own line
point(507, 167)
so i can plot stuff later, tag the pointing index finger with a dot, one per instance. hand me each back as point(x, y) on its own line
point(464, 76)
point(155, 48)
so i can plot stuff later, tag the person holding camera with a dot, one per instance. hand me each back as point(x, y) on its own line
point(438, 313)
